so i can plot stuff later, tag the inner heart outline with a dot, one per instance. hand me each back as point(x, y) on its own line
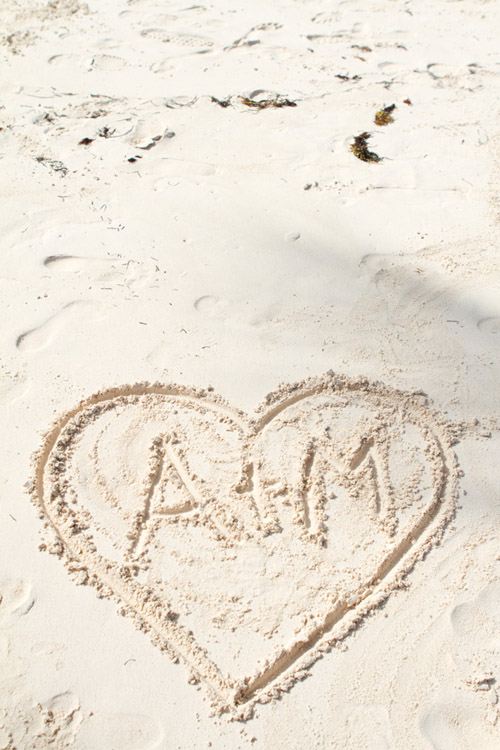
point(288, 664)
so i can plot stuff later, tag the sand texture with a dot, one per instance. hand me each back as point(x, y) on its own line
point(249, 367)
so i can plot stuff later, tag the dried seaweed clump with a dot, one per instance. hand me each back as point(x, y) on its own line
point(221, 102)
point(348, 78)
point(278, 102)
point(384, 116)
point(54, 164)
point(360, 148)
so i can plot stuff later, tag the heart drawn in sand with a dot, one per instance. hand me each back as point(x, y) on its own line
point(248, 546)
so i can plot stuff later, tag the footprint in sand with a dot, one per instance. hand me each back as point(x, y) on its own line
point(467, 717)
point(475, 626)
point(140, 18)
point(38, 337)
point(130, 272)
point(491, 327)
point(100, 268)
point(108, 63)
point(102, 63)
point(16, 599)
point(65, 61)
point(180, 44)
point(457, 722)
point(210, 306)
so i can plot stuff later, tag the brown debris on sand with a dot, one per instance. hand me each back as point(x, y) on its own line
point(277, 102)
point(221, 102)
point(360, 148)
point(384, 116)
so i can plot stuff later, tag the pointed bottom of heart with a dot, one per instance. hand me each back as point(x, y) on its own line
point(247, 546)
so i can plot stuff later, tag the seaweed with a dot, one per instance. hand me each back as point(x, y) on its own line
point(54, 164)
point(221, 102)
point(360, 148)
point(347, 78)
point(106, 132)
point(384, 116)
point(265, 103)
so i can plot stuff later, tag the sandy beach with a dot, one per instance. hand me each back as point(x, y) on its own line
point(249, 367)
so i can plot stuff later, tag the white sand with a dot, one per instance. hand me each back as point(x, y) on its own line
point(321, 570)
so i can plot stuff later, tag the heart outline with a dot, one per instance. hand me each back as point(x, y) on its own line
point(275, 677)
